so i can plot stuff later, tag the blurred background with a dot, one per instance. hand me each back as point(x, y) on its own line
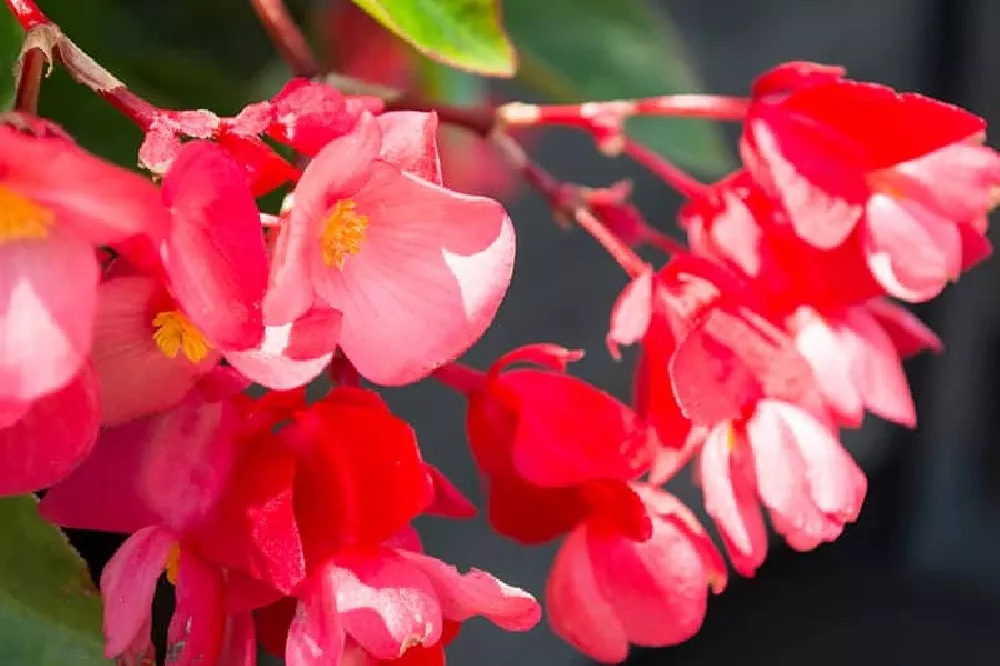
point(916, 581)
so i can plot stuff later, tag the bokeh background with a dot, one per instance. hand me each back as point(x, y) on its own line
point(917, 580)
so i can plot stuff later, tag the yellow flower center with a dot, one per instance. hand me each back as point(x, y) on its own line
point(343, 233)
point(173, 565)
point(21, 218)
point(173, 333)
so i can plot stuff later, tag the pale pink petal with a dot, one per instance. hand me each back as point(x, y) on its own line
point(427, 280)
point(336, 173)
point(102, 493)
point(909, 335)
point(477, 594)
point(911, 252)
point(136, 377)
point(957, 181)
point(195, 634)
point(577, 609)
point(386, 603)
point(214, 255)
point(877, 369)
point(783, 481)
point(316, 635)
point(128, 583)
point(48, 299)
point(828, 357)
point(631, 314)
point(52, 438)
point(726, 475)
point(239, 643)
point(658, 588)
point(409, 141)
point(836, 483)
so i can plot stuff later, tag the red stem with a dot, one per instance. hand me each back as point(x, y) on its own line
point(710, 107)
point(615, 246)
point(591, 114)
point(27, 13)
point(29, 81)
point(460, 377)
point(287, 37)
point(674, 176)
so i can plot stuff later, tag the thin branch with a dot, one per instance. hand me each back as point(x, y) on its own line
point(585, 115)
point(287, 37)
point(29, 80)
point(677, 178)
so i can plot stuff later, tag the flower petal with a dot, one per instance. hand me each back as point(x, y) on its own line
point(448, 502)
point(409, 141)
point(427, 280)
point(631, 314)
point(909, 335)
point(52, 438)
point(197, 628)
point(309, 114)
point(577, 609)
point(477, 594)
point(386, 603)
point(48, 300)
point(822, 347)
point(316, 634)
point(128, 583)
point(239, 647)
point(214, 254)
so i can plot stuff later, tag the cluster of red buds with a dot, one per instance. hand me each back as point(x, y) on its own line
point(137, 313)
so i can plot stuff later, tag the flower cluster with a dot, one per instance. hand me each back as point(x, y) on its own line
point(137, 316)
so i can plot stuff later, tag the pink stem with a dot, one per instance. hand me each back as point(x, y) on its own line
point(677, 178)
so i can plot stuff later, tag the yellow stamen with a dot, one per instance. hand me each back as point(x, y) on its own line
point(173, 333)
point(21, 218)
point(173, 565)
point(343, 233)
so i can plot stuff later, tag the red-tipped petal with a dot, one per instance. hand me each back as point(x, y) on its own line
point(409, 141)
point(427, 280)
point(822, 347)
point(214, 254)
point(877, 369)
point(909, 335)
point(198, 626)
point(316, 634)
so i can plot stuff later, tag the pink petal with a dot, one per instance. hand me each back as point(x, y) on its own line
point(876, 368)
point(93, 199)
point(909, 335)
point(189, 452)
point(957, 181)
point(409, 141)
point(631, 314)
point(910, 251)
point(337, 172)
point(658, 588)
point(726, 475)
point(196, 630)
point(316, 635)
point(836, 483)
point(214, 254)
point(386, 603)
point(477, 594)
point(309, 114)
point(48, 300)
point(136, 377)
point(128, 583)
point(103, 493)
point(52, 438)
point(823, 348)
point(427, 281)
point(783, 481)
point(577, 609)
point(239, 643)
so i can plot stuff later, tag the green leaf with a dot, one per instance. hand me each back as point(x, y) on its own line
point(50, 612)
point(466, 34)
point(581, 50)
point(10, 45)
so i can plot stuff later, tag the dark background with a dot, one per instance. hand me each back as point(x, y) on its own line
point(916, 581)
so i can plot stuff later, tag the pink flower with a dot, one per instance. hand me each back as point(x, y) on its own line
point(156, 335)
point(57, 203)
point(606, 590)
point(794, 463)
point(416, 271)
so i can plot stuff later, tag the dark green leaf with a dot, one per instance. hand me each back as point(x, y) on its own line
point(50, 612)
point(10, 46)
point(580, 50)
point(466, 34)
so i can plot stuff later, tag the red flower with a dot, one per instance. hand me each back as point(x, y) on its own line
point(416, 271)
point(553, 449)
point(607, 590)
point(794, 463)
point(835, 152)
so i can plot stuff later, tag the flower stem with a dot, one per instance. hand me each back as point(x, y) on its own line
point(29, 80)
point(677, 178)
point(586, 115)
point(27, 13)
point(460, 377)
point(287, 37)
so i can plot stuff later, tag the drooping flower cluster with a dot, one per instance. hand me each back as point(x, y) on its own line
point(137, 316)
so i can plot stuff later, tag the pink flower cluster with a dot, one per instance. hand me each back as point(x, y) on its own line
point(135, 316)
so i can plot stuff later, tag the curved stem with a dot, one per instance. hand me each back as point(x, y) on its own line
point(287, 37)
point(459, 377)
point(677, 178)
point(29, 80)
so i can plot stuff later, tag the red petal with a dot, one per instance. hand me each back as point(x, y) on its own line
point(578, 611)
point(386, 603)
point(317, 633)
point(552, 357)
point(789, 76)
point(409, 141)
point(214, 255)
point(532, 515)
point(308, 115)
point(654, 399)
point(264, 169)
point(239, 647)
point(197, 628)
point(52, 438)
point(909, 335)
point(128, 583)
point(449, 502)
